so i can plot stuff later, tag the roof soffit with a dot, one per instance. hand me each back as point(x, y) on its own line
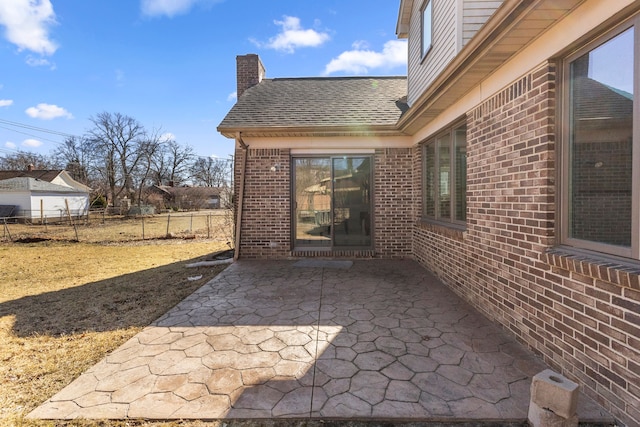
point(272, 131)
point(404, 16)
point(512, 27)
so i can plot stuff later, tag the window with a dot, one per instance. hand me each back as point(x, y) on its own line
point(601, 153)
point(445, 176)
point(426, 27)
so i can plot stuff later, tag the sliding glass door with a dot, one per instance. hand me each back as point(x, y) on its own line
point(332, 202)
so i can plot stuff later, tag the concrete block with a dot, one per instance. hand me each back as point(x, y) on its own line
point(540, 417)
point(556, 393)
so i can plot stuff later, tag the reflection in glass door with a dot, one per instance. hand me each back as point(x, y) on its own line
point(352, 201)
point(312, 203)
point(332, 201)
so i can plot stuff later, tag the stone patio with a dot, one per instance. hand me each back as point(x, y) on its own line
point(314, 339)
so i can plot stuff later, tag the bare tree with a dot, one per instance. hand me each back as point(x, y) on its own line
point(117, 157)
point(120, 141)
point(211, 172)
point(23, 159)
point(76, 154)
point(172, 163)
point(151, 147)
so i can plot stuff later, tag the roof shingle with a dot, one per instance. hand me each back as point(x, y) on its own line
point(42, 174)
point(34, 184)
point(350, 104)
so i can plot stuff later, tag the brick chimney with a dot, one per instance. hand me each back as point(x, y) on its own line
point(249, 71)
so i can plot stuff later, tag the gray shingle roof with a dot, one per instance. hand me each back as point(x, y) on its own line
point(33, 184)
point(317, 105)
point(597, 100)
point(43, 174)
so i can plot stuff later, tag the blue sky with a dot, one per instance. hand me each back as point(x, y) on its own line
point(170, 64)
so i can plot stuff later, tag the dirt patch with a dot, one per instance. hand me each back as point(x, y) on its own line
point(32, 240)
point(221, 255)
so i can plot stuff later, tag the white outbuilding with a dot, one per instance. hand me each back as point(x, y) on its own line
point(35, 199)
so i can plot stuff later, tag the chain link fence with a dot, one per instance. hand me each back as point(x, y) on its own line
point(101, 227)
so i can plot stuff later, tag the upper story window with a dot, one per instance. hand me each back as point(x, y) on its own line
point(600, 201)
point(427, 25)
point(444, 176)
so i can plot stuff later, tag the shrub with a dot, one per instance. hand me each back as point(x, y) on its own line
point(99, 202)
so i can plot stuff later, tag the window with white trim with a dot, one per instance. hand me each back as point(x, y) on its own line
point(600, 200)
point(427, 26)
point(445, 176)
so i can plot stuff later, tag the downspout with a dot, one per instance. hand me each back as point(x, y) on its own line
point(245, 150)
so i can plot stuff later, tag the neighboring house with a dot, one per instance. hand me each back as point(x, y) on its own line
point(186, 197)
point(508, 163)
point(36, 200)
point(54, 176)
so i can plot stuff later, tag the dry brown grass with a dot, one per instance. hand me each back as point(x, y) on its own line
point(212, 224)
point(63, 306)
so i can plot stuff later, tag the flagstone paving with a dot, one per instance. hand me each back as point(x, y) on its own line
point(313, 339)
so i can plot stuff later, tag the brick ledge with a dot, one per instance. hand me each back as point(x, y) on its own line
point(593, 265)
point(444, 229)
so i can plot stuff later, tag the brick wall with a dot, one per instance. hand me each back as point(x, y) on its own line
point(266, 211)
point(266, 215)
point(581, 315)
point(392, 200)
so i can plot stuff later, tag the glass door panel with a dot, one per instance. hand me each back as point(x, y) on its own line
point(351, 201)
point(460, 203)
point(312, 202)
point(444, 157)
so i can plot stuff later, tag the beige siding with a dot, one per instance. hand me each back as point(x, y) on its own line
point(422, 73)
point(475, 14)
point(455, 22)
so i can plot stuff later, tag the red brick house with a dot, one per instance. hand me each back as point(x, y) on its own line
point(507, 162)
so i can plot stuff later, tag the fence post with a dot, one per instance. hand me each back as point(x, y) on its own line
point(66, 204)
point(6, 229)
point(191, 224)
point(41, 211)
point(73, 224)
point(209, 226)
point(143, 227)
point(168, 219)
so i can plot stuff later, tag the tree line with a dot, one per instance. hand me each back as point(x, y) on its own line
point(119, 157)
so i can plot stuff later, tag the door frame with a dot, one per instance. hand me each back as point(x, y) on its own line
point(292, 191)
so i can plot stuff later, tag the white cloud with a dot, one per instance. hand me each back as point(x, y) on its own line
point(48, 112)
point(33, 143)
point(360, 45)
point(120, 78)
point(361, 60)
point(10, 145)
point(167, 136)
point(171, 8)
point(232, 96)
point(293, 36)
point(5, 102)
point(39, 62)
point(27, 24)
